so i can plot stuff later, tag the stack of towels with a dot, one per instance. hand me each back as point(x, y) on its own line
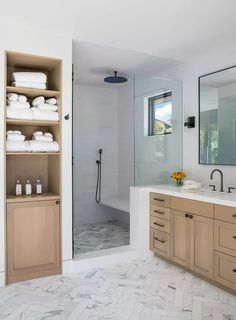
point(41, 142)
point(191, 185)
point(36, 80)
point(16, 142)
point(43, 109)
point(18, 107)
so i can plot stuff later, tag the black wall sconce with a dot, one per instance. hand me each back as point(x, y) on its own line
point(190, 123)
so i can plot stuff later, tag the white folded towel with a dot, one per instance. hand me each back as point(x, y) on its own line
point(48, 134)
point(51, 101)
point(42, 138)
point(22, 98)
point(37, 133)
point(12, 96)
point(47, 106)
point(38, 100)
point(29, 77)
point(15, 137)
point(13, 132)
point(43, 146)
point(18, 146)
point(16, 113)
point(33, 85)
point(44, 115)
point(18, 104)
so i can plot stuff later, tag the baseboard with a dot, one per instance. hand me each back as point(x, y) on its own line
point(2, 279)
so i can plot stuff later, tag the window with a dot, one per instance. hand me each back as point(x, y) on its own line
point(160, 114)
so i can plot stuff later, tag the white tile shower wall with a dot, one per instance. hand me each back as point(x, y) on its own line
point(214, 60)
point(95, 127)
point(126, 139)
point(31, 41)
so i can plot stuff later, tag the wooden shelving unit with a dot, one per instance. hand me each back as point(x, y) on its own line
point(32, 212)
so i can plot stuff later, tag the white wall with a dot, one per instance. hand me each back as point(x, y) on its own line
point(45, 44)
point(95, 127)
point(189, 73)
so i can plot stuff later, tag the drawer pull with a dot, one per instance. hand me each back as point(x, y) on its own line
point(234, 215)
point(234, 237)
point(234, 270)
point(160, 240)
point(161, 212)
point(158, 199)
point(158, 224)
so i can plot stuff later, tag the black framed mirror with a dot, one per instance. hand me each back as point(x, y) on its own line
point(217, 117)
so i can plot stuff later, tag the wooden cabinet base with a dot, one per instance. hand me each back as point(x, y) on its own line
point(33, 275)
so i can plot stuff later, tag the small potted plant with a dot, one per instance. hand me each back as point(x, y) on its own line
point(178, 177)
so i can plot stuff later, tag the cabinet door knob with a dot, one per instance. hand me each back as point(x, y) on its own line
point(57, 202)
point(186, 215)
point(191, 216)
point(234, 270)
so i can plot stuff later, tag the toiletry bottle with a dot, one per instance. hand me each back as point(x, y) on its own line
point(38, 187)
point(18, 188)
point(28, 188)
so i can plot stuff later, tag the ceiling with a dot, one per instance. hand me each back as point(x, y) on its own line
point(92, 63)
point(174, 29)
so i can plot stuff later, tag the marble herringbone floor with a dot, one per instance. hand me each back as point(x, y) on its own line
point(101, 235)
point(142, 290)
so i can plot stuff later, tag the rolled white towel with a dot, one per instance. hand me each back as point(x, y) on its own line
point(12, 96)
point(16, 113)
point(48, 134)
point(48, 107)
point(51, 101)
point(44, 115)
point(43, 146)
point(22, 98)
point(15, 137)
point(29, 77)
point(37, 133)
point(18, 104)
point(18, 146)
point(38, 100)
point(13, 132)
point(33, 85)
point(42, 138)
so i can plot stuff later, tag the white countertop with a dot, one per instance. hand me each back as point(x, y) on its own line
point(223, 198)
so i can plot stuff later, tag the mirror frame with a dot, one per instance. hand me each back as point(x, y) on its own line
point(199, 122)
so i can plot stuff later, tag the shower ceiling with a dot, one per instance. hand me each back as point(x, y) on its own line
point(94, 62)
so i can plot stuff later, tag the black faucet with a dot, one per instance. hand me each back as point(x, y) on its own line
point(221, 178)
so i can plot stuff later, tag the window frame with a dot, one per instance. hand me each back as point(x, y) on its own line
point(151, 112)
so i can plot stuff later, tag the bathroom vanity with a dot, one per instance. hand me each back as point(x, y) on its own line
point(196, 231)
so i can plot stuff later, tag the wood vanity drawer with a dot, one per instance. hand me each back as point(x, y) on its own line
point(160, 199)
point(160, 242)
point(225, 237)
point(160, 212)
point(225, 213)
point(225, 270)
point(160, 224)
point(201, 208)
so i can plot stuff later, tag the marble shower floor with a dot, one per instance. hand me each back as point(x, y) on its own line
point(141, 290)
point(98, 236)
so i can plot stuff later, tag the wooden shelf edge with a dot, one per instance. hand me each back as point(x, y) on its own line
point(33, 153)
point(32, 122)
point(31, 92)
point(34, 197)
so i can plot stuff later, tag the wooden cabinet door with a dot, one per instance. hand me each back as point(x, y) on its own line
point(180, 237)
point(33, 240)
point(201, 245)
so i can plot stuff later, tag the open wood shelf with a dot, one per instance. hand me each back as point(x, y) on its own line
point(33, 197)
point(20, 122)
point(29, 92)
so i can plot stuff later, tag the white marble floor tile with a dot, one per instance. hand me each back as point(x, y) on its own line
point(142, 290)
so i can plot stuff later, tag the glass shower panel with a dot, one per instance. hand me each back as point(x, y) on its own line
point(158, 130)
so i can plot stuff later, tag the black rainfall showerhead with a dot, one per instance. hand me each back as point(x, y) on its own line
point(115, 79)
